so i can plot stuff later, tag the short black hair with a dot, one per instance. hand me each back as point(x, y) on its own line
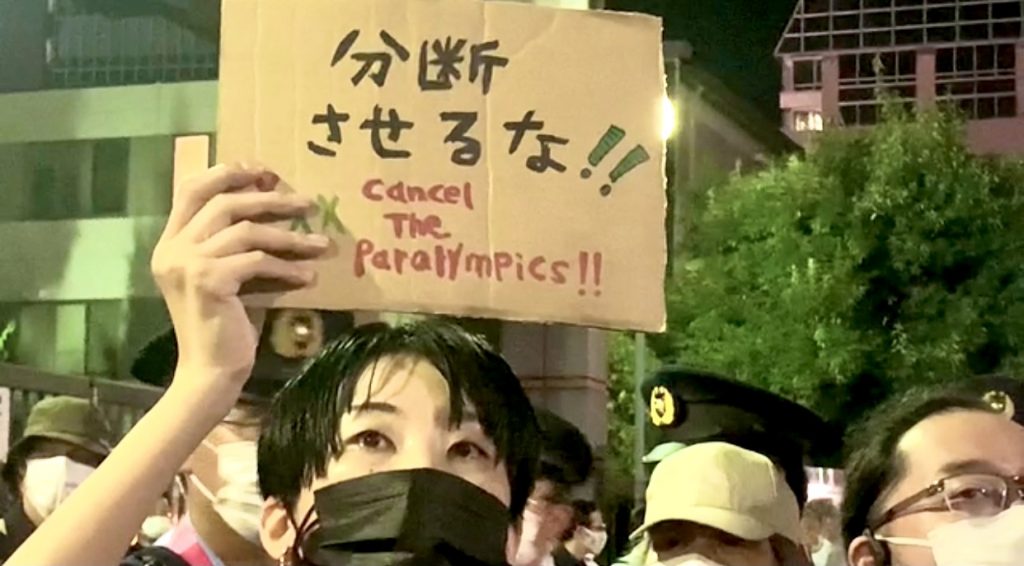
point(566, 458)
point(301, 433)
point(582, 509)
point(873, 464)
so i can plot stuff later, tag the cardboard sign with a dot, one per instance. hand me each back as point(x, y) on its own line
point(469, 158)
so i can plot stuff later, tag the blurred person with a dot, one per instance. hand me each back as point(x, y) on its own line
point(222, 501)
point(222, 498)
point(566, 461)
point(717, 504)
point(934, 478)
point(822, 531)
point(586, 537)
point(65, 440)
point(422, 450)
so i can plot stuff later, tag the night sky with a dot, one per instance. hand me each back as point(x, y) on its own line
point(733, 39)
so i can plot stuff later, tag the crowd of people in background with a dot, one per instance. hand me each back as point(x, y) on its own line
point(417, 445)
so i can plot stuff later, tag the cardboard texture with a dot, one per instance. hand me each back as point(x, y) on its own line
point(523, 178)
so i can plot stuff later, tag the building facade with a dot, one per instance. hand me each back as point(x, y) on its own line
point(840, 58)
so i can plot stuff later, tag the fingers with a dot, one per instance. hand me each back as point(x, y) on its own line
point(241, 268)
point(193, 195)
point(247, 236)
point(226, 209)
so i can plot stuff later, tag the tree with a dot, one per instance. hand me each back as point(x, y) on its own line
point(880, 260)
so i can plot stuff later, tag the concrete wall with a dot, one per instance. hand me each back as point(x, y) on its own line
point(76, 260)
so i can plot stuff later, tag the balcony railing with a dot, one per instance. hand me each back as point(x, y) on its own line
point(56, 44)
point(90, 49)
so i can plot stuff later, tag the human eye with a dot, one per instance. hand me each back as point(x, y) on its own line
point(371, 441)
point(472, 444)
point(469, 450)
point(975, 495)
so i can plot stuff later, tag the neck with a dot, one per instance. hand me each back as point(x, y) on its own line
point(576, 548)
point(226, 544)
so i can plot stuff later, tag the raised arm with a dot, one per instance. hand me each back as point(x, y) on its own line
point(210, 247)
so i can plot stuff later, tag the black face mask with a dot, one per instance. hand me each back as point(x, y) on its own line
point(408, 518)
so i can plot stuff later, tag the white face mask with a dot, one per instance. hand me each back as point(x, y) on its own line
point(978, 541)
point(238, 501)
point(156, 526)
point(593, 541)
point(49, 481)
point(688, 560)
point(531, 549)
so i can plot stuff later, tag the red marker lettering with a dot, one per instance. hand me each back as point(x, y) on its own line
point(364, 248)
point(535, 268)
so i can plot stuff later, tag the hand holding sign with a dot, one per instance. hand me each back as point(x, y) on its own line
point(441, 140)
point(212, 246)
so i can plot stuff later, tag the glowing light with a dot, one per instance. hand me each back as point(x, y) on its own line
point(669, 118)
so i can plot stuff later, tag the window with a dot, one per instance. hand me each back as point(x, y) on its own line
point(807, 74)
point(807, 121)
point(978, 79)
point(864, 76)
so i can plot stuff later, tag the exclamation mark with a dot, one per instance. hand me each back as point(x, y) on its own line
point(604, 146)
point(584, 270)
point(633, 159)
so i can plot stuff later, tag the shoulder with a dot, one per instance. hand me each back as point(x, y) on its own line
point(154, 556)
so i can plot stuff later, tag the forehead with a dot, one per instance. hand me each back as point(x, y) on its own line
point(938, 442)
point(392, 378)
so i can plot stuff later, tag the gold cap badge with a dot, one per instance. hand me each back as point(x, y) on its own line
point(297, 333)
point(663, 407)
point(1000, 403)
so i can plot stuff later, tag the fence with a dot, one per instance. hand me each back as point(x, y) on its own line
point(121, 403)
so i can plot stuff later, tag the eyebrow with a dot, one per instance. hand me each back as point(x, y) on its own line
point(376, 407)
point(973, 466)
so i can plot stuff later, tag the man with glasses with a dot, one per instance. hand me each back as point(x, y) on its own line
point(934, 479)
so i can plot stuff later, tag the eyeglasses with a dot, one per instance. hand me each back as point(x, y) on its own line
point(973, 495)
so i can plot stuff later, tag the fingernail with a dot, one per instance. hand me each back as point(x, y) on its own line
point(318, 240)
point(267, 181)
point(309, 275)
point(302, 201)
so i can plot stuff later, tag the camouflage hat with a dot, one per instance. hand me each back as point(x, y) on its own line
point(69, 419)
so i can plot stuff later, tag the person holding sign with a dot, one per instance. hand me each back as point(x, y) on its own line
point(210, 247)
point(394, 445)
point(408, 445)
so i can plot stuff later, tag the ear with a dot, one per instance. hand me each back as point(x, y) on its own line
point(862, 552)
point(277, 533)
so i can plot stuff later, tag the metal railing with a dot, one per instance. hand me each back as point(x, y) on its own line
point(89, 50)
point(121, 403)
